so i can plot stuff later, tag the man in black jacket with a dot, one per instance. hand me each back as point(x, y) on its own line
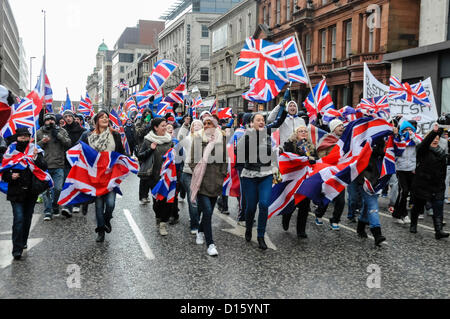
point(21, 195)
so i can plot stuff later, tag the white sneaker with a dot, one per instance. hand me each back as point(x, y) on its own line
point(242, 224)
point(163, 229)
point(421, 216)
point(194, 232)
point(143, 202)
point(76, 210)
point(430, 212)
point(200, 238)
point(212, 250)
point(406, 220)
point(399, 221)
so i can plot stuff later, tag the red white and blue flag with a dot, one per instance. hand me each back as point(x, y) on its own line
point(94, 174)
point(198, 102)
point(117, 125)
point(410, 93)
point(162, 70)
point(22, 115)
point(263, 91)
point(293, 66)
point(123, 86)
point(213, 110)
point(164, 108)
point(323, 98)
point(177, 95)
point(232, 185)
point(68, 105)
point(375, 105)
point(39, 92)
point(84, 108)
point(225, 113)
point(167, 185)
point(48, 95)
point(13, 159)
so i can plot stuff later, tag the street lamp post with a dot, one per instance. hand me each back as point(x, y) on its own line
point(31, 71)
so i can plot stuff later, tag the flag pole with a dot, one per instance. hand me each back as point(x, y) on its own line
point(306, 69)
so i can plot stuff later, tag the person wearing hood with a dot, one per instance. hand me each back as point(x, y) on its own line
point(186, 177)
point(21, 194)
point(75, 130)
point(156, 144)
point(406, 169)
point(104, 139)
point(208, 162)
point(292, 120)
point(327, 144)
point(429, 181)
point(55, 141)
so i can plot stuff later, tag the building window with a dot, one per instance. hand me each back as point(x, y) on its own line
point(268, 14)
point(205, 31)
point(348, 39)
point(324, 2)
point(204, 74)
point(265, 15)
point(278, 11)
point(249, 25)
point(204, 52)
point(222, 75)
point(333, 42)
point(323, 46)
point(230, 29)
point(239, 37)
point(308, 49)
point(230, 72)
point(288, 10)
point(445, 95)
point(122, 69)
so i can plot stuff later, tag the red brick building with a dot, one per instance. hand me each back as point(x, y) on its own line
point(338, 36)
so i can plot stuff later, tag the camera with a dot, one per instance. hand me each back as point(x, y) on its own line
point(444, 119)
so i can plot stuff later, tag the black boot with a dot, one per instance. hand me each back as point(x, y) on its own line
point(248, 234)
point(413, 229)
point(84, 209)
point(286, 219)
point(101, 235)
point(377, 235)
point(301, 224)
point(414, 221)
point(108, 227)
point(361, 229)
point(439, 233)
point(262, 243)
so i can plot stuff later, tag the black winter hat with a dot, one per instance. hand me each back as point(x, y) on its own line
point(22, 131)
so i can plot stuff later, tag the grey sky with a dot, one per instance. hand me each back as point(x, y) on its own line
point(75, 29)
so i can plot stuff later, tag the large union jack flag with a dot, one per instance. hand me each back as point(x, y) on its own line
point(118, 126)
point(162, 70)
point(48, 95)
point(38, 95)
point(94, 174)
point(262, 91)
point(13, 159)
point(167, 186)
point(84, 108)
point(410, 93)
point(293, 65)
point(22, 115)
point(323, 98)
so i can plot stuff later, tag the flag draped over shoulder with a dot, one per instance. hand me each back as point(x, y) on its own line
point(94, 174)
point(13, 159)
point(22, 115)
point(166, 187)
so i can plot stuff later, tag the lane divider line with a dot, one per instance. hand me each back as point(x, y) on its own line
point(140, 238)
point(419, 225)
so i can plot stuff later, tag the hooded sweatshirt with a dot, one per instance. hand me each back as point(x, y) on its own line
point(407, 162)
point(290, 124)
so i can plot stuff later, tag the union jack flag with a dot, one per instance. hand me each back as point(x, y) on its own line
point(323, 98)
point(13, 159)
point(84, 108)
point(316, 135)
point(167, 185)
point(123, 86)
point(164, 108)
point(22, 115)
point(213, 109)
point(198, 102)
point(48, 95)
point(410, 93)
point(226, 113)
point(177, 95)
point(39, 92)
point(293, 65)
point(117, 125)
point(162, 70)
point(262, 91)
point(232, 184)
point(68, 105)
point(94, 174)
point(374, 105)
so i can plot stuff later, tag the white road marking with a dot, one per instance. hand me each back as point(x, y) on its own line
point(6, 248)
point(419, 225)
point(119, 196)
point(240, 231)
point(140, 238)
point(345, 227)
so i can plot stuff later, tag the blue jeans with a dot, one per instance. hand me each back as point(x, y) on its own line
point(369, 211)
point(23, 214)
point(257, 190)
point(206, 205)
point(51, 196)
point(193, 209)
point(354, 199)
point(104, 207)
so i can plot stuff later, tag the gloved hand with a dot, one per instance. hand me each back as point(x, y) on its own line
point(54, 132)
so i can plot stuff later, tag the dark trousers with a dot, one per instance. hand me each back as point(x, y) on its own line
point(241, 199)
point(104, 208)
point(23, 214)
point(223, 203)
point(302, 217)
point(339, 205)
point(405, 180)
point(438, 211)
point(144, 188)
point(206, 205)
point(163, 210)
